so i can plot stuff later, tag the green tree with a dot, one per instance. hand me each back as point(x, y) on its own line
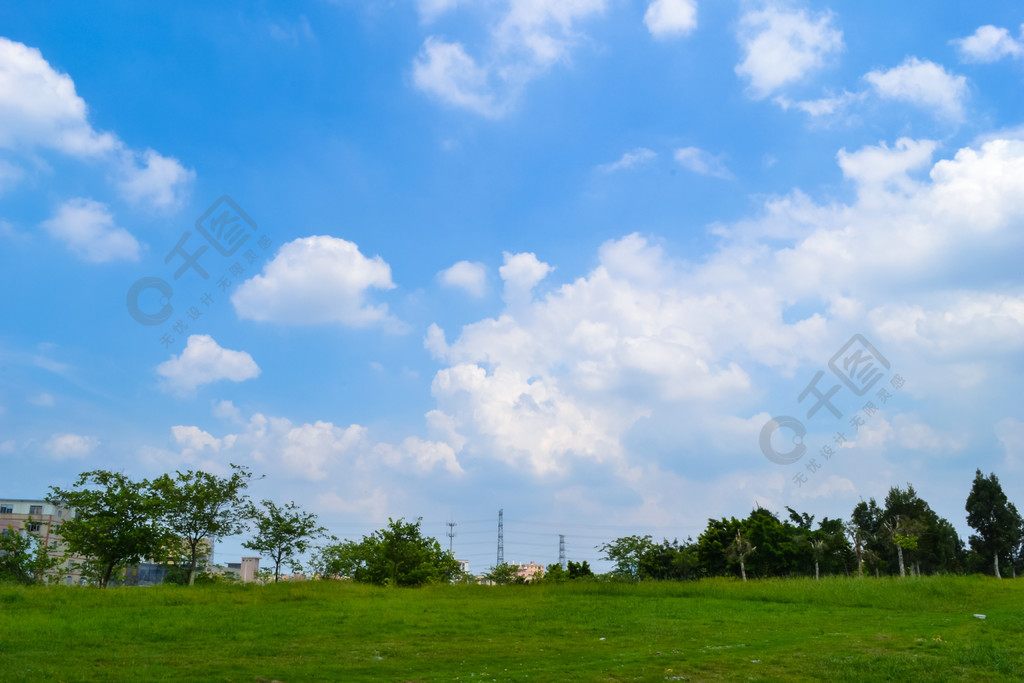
point(282, 533)
point(995, 519)
point(632, 556)
point(25, 557)
point(116, 522)
point(199, 508)
point(503, 574)
point(936, 545)
point(397, 555)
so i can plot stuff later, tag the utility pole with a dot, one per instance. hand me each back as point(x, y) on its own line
point(501, 538)
point(561, 550)
point(451, 535)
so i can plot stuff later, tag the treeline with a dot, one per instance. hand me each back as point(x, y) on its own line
point(903, 536)
point(119, 522)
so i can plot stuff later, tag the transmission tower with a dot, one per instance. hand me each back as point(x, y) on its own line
point(561, 550)
point(451, 535)
point(501, 537)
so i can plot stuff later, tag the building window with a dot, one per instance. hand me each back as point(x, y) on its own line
point(6, 510)
point(34, 526)
point(35, 509)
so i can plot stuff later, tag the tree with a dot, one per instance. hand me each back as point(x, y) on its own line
point(996, 520)
point(199, 507)
point(397, 555)
point(282, 533)
point(116, 522)
point(503, 574)
point(631, 555)
point(739, 550)
point(25, 558)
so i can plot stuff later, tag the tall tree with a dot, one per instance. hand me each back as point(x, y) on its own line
point(996, 520)
point(116, 522)
point(282, 533)
point(200, 508)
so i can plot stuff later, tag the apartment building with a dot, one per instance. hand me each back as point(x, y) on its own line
point(41, 518)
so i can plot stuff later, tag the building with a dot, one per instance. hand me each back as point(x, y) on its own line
point(42, 518)
point(531, 570)
point(247, 571)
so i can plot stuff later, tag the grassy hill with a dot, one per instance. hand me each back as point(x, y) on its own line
point(797, 629)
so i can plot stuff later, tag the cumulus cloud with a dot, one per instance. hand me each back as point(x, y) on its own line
point(669, 18)
point(202, 362)
point(154, 180)
point(87, 228)
point(307, 451)
point(637, 157)
point(40, 110)
point(317, 280)
point(566, 377)
point(922, 83)
point(990, 44)
point(782, 46)
point(701, 162)
point(70, 446)
point(467, 276)
point(527, 39)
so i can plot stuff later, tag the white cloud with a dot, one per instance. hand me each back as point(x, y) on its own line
point(87, 228)
point(39, 107)
point(530, 37)
point(71, 446)
point(40, 110)
point(444, 70)
point(781, 46)
point(668, 18)
point(422, 455)
point(470, 277)
point(880, 167)
point(521, 273)
point(922, 83)
point(990, 44)
point(307, 451)
point(822, 107)
point(315, 280)
point(701, 162)
point(202, 362)
point(637, 157)
point(226, 410)
point(154, 180)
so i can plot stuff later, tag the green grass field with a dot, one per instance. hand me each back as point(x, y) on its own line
point(798, 629)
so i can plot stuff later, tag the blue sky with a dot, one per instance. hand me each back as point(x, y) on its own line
point(561, 258)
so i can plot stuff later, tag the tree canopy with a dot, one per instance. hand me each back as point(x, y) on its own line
point(282, 533)
point(397, 555)
point(199, 507)
point(116, 522)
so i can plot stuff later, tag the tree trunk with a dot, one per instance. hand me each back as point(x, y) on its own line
point(743, 570)
point(192, 573)
point(816, 570)
point(899, 551)
point(996, 556)
point(860, 567)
